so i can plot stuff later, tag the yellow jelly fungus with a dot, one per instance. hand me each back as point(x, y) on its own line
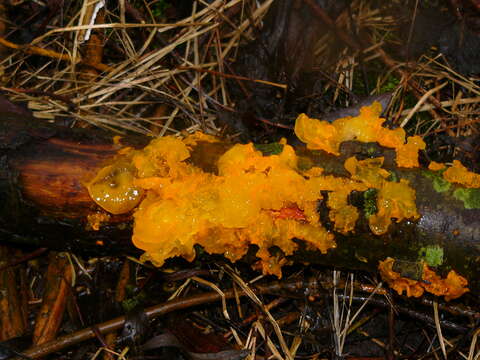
point(366, 127)
point(117, 140)
point(407, 154)
point(250, 199)
point(162, 157)
point(113, 189)
point(394, 200)
point(452, 287)
point(435, 166)
point(96, 219)
point(459, 174)
point(368, 171)
point(343, 215)
point(397, 282)
point(198, 137)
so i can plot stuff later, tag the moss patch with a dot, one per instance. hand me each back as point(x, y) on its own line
point(432, 255)
point(269, 149)
point(392, 177)
point(370, 202)
point(470, 197)
point(439, 183)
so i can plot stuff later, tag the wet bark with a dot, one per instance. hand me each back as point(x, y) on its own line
point(13, 310)
point(43, 169)
point(43, 199)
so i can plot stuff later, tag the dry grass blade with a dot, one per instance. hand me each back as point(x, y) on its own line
point(116, 355)
point(224, 304)
point(122, 98)
point(445, 104)
point(251, 294)
point(165, 68)
point(341, 318)
point(471, 353)
point(271, 346)
point(439, 329)
point(420, 103)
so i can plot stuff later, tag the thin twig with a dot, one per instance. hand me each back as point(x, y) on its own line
point(237, 77)
point(35, 50)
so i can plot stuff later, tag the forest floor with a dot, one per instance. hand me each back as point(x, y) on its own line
point(241, 70)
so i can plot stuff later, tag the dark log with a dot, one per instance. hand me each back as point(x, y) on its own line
point(42, 173)
point(44, 168)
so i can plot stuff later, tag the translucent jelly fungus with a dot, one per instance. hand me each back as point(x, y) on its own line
point(366, 127)
point(250, 199)
point(394, 199)
point(113, 189)
point(435, 166)
point(459, 174)
point(452, 287)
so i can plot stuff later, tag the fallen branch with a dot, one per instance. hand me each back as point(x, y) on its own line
point(45, 170)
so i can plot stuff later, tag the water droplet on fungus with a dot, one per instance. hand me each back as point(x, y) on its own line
point(394, 200)
point(113, 188)
point(254, 199)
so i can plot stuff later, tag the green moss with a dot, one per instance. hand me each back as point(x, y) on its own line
point(269, 149)
point(370, 202)
point(371, 150)
point(134, 300)
point(439, 183)
point(158, 9)
point(390, 84)
point(432, 255)
point(392, 177)
point(470, 197)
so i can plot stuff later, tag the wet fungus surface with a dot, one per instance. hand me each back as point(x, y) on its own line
point(265, 200)
point(452, 286)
